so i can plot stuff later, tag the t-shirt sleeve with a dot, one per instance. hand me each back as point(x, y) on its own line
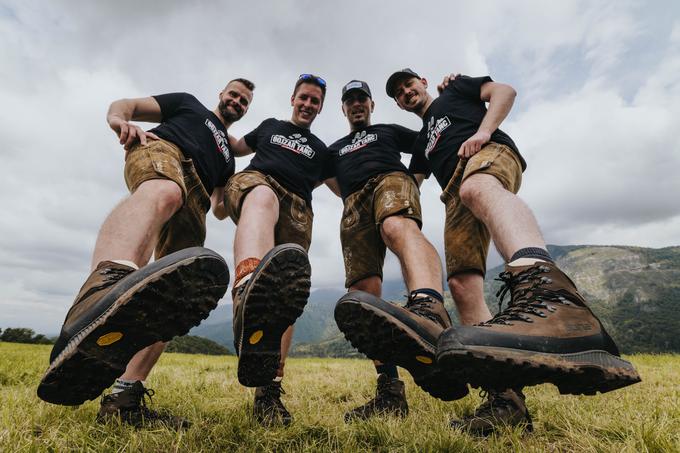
point(170, 103)
point(328, 169)
point(223, 177)
point(405, 138)
point(252, 137)
point(469, 86)
point(419, 162)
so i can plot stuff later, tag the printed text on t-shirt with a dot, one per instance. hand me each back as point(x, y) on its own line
point(295, 143)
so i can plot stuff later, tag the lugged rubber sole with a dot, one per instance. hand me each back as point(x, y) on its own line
point(166, 303)
point(277, 296)
point(582, 373)
point(383, 337)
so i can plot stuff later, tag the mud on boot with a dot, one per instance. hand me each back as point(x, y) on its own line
point(268, 408)
point(264, 307)
point(120, 311)
point(506, 409)
point(390, 399)
point(546, 334)
point(129, 406)
point(406, 336)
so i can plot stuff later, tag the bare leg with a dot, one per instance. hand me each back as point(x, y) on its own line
point(510, 221)
point(419, 260)
point(140, 365)
point(255, 237)
point(255, 230)
point(131, 230)
point(467, 289)
point(286, 340)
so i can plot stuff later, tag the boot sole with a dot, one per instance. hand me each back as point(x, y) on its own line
point(163, 300)
point(582, 373)
point(276, 298)
point(383, 337)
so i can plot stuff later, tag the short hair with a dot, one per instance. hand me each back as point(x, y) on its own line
point(247, 83)
point(312, 80)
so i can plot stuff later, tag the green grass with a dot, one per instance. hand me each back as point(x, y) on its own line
point(644, 417)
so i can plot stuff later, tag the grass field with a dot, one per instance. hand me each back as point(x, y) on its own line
point(644, 417)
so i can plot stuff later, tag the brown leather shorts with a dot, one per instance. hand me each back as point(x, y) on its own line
point(295, 216)
point(160, 159)
point(386, 195)
point(466, 239)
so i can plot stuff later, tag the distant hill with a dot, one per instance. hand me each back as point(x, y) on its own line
point(315, 324)
point(634, 290)
point(189, 344)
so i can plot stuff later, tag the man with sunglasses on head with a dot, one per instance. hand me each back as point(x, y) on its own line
point(547, 333)
point(128, 308)
point(382, 210)
point(270, 202)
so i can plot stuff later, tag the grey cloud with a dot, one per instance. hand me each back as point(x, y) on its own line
point(592, 119)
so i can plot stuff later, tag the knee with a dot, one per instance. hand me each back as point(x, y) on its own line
point(470, 192)
point(168, 196)
point(262, 197)
point(395, 227)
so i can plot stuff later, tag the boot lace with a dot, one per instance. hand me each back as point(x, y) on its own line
point(422, 306)
point(492, 403)
point(271, 398)
point(140, 396)
point(110, 276)
point(528, 296)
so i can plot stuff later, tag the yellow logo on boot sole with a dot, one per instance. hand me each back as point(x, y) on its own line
point(423, 359)
point(256, 337)
point(109, 338)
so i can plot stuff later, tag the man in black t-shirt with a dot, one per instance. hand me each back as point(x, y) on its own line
point(271, 204)
point(547, 333)
point(128, 308)
point(382, 209)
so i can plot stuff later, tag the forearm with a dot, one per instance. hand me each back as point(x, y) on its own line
point(500, 101)
point(219, 210)
point(121, 109)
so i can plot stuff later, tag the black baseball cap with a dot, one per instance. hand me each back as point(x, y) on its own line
point(396, 77)
point(355, 85)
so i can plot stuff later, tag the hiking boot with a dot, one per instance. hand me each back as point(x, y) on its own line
point(268, 408)
point(405, 336)
point(264, 307)
point(129, 406)
point(546, 334)
point(390, 399)
point(501, 409)
point(120, 311)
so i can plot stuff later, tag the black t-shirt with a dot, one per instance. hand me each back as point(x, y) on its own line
point(451, 119)
point(200, 135)
point(370, 152)
point(292, 155)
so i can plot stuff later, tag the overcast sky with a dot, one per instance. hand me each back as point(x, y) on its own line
point(596, 117)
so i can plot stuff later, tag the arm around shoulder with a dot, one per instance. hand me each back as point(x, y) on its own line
point(240, 147)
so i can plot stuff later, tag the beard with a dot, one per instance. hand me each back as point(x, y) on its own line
point(230, 115)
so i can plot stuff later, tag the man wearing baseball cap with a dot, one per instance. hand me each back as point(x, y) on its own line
point(382, 210)
point(546, 333)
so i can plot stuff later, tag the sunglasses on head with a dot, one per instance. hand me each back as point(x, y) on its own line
point(314, 78)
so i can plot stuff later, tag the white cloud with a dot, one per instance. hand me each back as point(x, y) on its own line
point(600, 159)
